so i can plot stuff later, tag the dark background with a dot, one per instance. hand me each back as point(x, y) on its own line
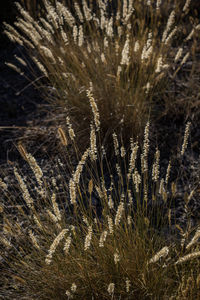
point(7, 14)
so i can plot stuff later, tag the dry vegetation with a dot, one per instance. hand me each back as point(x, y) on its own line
point(102, 229)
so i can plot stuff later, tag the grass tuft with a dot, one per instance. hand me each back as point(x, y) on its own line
point(102, 224)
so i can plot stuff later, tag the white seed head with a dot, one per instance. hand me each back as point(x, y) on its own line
point(72, 190)
point(75, 33)
point(73, 287)
point(26, 195)
point(144, 156)
point(195, 238)
point(186, 135)
point(185, 58)
point(128, 285)
point(70, 129)
point(110, 202)
point(67, 244)
point(134, 150)
point(125, 53)
point(171, 35)
point(170, 22)
point(47, 52)
point(80, 36)
point(158, 4)
point(116, 256)
point(136, 177)
point(103, 238)
point(111, 288)
point(95, 110)
point(78, 12)
point(162, 253)
point(55, 207)
point(79, 168)
point(186, 6)
point(88, 238)
point(109, 27)
point(136, 46)
point(87, 11)
point(116, 144)
point(119, 212)
point(33, 239)
point(110, 224)
point(168, 172)
point(129, 220)
point(188, 257)
point(54, 245)
point(93, 146)
point(156, 166)
point(178, 54)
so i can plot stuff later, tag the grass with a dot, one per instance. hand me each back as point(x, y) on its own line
point(103, 225)
point(131, 61)
point(63, 245)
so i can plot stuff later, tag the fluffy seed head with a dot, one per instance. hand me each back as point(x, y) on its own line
point(128, 285)
point(79, 168)
point(188, 257)
point(110, 224)
point(54, 245)
point(103, 238)
point(162, 253)
point(88, 238)
point(55, 207)
point(70, 129)
point(186, 135)
point(94, 109)
point(26, 195)
point(116, 256)
point(125, 53)
point(155, 170)
point(144, 156)
point(118, 216)
point(116, 144)
point(170, 22)
point(73, 287)
point(67, 244)
point(72, 191)
point(111, 288)
point(33, 239)
point(178, 54)
point(186, 6)
point(93, 146)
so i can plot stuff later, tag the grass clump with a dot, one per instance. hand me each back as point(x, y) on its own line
point(98, 234)
point(101, 226)
point(128, 51)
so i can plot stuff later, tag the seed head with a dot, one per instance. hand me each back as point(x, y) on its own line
point(111, 288)
point(186, 135)
point(162, 253)
point(88, 238)
point(103, 238)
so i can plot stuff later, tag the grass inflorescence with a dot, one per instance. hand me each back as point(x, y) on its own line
point(102, 237)
point(128, 52)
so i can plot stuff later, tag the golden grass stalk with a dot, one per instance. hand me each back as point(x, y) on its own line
point(188, 257)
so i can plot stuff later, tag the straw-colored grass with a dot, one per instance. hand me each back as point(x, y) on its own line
point(101, 228)
point(64, 245)
point(129, 53)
